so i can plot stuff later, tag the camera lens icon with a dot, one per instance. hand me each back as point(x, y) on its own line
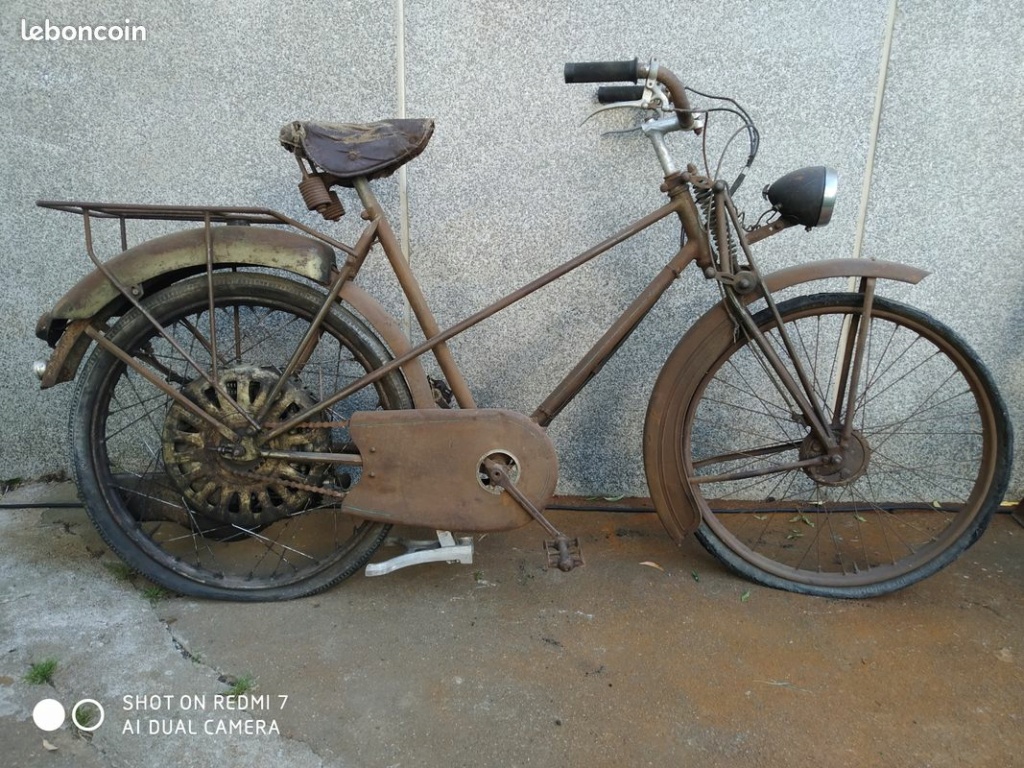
point(49, 715)
point(87, 724)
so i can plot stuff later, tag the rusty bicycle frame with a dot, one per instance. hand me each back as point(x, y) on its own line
point(696, 249)
point(711, 226)
point(379, 231)
point(739, 287)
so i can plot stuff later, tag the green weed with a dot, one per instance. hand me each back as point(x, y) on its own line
point(42, 672)
point(244, 684)
point(85, 716)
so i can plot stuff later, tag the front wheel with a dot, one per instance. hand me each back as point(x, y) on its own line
point(219, 515)
point(925, 464)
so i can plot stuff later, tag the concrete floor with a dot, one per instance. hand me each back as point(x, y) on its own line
point(506, 663)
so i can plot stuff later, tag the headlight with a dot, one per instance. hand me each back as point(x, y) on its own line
point(806, 196)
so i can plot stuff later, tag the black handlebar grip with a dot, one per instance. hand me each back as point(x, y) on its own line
point(612, 94)
point(601, 71)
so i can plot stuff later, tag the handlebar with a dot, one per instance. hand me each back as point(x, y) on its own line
point(611, 94)
point(602, 71)
point(631, 71)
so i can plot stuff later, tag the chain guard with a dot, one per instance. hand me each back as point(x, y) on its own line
point(429, 468)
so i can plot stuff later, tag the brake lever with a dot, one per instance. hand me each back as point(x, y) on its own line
point(621, 132)
point(653, 100)
point(617, 105)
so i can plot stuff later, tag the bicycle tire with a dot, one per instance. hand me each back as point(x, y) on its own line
point(929, 465)
point(161, 492)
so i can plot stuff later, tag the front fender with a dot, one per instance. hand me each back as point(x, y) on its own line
point(823, 270)
point(686, 365)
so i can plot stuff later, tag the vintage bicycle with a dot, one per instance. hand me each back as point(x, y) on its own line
point(249, 422)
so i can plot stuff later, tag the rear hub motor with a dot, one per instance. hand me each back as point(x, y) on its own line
point(227, 481)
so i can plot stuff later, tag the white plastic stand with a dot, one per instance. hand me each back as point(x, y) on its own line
point(444, 550)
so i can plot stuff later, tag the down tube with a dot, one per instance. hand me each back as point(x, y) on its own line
point(483, 314)
point(599, 354)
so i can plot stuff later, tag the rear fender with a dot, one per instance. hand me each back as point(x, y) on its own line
point(155, 264)
point(706, 340)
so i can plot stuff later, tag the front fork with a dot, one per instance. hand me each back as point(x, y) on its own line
point(831, 426)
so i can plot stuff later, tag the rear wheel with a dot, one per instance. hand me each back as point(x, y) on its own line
point(925, 465)
point(206, 513)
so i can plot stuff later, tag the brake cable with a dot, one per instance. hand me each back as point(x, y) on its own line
point(752, 132)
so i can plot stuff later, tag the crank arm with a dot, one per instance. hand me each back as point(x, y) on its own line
point(563, 551)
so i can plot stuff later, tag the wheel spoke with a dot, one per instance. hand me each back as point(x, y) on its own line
point(206, 513)
point(903, 497)
point(767, 450)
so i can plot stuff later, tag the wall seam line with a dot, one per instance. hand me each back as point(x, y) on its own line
point(876, 120)
point(403, 182)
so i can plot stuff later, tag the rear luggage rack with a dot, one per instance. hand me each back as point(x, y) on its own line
point(208, 214)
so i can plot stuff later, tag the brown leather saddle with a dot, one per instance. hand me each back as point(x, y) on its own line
point(348, 151)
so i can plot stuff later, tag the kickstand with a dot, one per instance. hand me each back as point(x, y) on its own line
point(444, 550)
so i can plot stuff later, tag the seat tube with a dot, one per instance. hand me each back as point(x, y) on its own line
point(411, 287)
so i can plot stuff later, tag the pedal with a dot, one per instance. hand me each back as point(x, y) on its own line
point(445, 550)
point(564, 553)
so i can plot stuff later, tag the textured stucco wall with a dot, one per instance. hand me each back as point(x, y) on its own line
point(511, 184)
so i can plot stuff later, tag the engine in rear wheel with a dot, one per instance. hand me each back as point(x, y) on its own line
point(226, 481)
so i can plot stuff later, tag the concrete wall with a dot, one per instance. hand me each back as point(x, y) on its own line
point(511, 184)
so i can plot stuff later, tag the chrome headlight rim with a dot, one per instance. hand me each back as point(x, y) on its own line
point(828, 196)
